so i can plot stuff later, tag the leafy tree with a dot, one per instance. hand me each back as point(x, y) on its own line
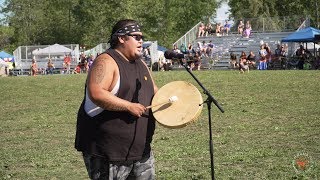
point(274, 8)
point(89, 22)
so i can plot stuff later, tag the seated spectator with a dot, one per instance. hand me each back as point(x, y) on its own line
point(218, 29)
point(243, 65)
point(77, 69)
point(240, 27)
point(203, 48)
point(189, 48)
point(247, 30)
point(210, 48)
point(201, 30)
point(233, 59)
point(50, 67)
point(183, 48)
point(226, 28)
point(209, 30)
point(251, 59)
point(307, 65)
point(175, 49)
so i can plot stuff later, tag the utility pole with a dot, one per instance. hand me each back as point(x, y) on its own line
point(69, 18)
point(317, 13)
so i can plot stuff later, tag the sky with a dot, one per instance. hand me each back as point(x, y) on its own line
point(221, 12)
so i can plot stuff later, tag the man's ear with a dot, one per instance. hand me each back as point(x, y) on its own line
point(121, 39)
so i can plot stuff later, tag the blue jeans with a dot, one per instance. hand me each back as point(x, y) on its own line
point(262, 65)
point(50, 71)
point(100, 169)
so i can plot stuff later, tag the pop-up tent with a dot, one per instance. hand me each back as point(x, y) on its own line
point(304, 35)
point(4, 55)
point(55, 49)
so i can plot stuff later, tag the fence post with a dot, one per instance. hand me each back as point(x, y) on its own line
point(262, 24)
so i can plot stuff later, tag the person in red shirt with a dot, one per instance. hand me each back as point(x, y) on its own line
point(67, 62)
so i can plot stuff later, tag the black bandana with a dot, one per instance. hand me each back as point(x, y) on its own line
point(128, 29)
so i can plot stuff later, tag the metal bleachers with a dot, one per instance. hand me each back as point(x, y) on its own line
point(234, 43)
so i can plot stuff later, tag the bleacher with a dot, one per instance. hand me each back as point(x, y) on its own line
point(263, 32)
point(235, 43)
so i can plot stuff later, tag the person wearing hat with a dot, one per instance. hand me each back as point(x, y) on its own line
point(114, 127)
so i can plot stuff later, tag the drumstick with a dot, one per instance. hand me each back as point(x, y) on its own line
point(170, 100)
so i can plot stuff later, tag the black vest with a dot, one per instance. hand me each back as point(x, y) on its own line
point(119, 136)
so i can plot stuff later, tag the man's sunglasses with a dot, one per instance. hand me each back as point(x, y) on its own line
point(136, 36)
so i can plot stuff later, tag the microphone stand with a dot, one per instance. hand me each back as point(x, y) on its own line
point(210, 99)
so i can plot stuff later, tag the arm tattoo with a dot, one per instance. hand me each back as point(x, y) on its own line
point(98, 72)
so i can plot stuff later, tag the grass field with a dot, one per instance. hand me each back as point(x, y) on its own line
point(271, 120)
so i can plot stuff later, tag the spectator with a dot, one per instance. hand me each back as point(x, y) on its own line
point(77, 69)
point(277, 51)
point(183, 48)
point(50, 67)
point(243, 65)
point(251, 59)
point(269, 55)
point(197, 61)
point(201, 30)
point(240, 27)
point(189, 48)
point(210, 48)
point(302, 56)
point(233, 59)
point(175, 49)
point(34, 68)
point(316, 63)
point(203, 48)
point(248, 29)
point(226, 28)
point(307, 65)
point(218, 29)
point(262, 59)
point(90, 61)
point(209, 30)
point(67, 62)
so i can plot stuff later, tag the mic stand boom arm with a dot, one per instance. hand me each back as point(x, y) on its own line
point(210, 99)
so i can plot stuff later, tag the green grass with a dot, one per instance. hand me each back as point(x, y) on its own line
point(270, 117)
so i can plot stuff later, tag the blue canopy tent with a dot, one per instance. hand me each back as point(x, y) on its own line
point(4, 55)
point(304, 35)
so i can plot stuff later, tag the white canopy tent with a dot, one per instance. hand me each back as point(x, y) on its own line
point(55, 49)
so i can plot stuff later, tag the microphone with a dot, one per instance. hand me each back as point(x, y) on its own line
point(173, 55)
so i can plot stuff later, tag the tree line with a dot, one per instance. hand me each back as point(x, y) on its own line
point(89, 22)
point(245, 9)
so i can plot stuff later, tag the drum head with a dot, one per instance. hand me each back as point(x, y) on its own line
point(181, 112)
